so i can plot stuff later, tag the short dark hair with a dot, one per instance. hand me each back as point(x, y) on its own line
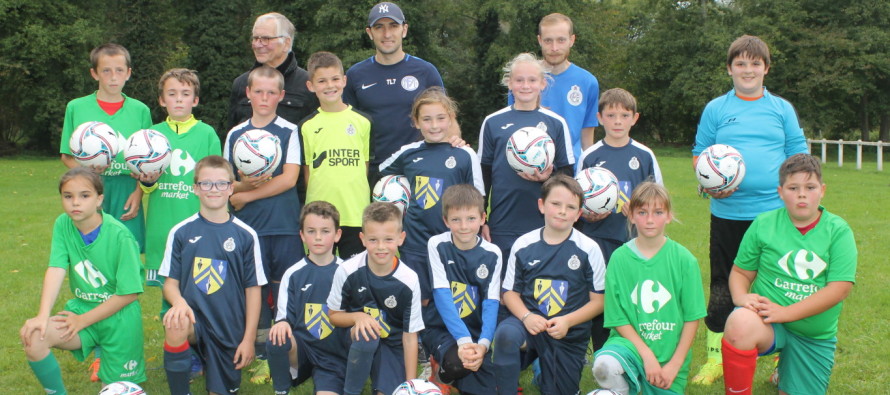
point(462, 196)
point(85, 172)
point(214, 162)
point(381, 212)
point(266, 72)
point(752, 46)
point(800, 163)
point(322, 209)
point(616, 97)
point(185, 76)
point(562, 180)
point(108, 49)
point(323, 59)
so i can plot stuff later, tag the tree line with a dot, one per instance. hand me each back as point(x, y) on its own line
point(830, 58)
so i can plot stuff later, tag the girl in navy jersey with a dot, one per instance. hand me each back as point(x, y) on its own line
point(513, 199)
point(102, 258)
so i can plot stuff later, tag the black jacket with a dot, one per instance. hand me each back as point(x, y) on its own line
point(298, 101)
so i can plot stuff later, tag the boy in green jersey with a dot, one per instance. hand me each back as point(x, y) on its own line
point(654, 302)
point(171, 197)
point(795, 267)
point(336, 150)
point(111, 68)
point(101, 260)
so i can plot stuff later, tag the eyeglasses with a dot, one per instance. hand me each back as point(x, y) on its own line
point(220, 185)
point(264, 40)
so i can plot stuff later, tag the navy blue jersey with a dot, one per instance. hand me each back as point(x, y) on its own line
point(302, 302)
point(554, 280)
point(214, 263)
point(472, 286)
point(393, 300)
point(431, 169)
point(279, 214)
point(632, 164)
point(386, 93)
point(513, 200)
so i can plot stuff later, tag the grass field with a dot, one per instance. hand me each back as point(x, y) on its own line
point(29, 203)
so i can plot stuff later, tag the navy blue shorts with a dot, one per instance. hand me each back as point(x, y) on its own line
point(388, 367)
point(561, 361)
point(437, 340)
point(279, 253)
point(328, 369)
point(219, 371)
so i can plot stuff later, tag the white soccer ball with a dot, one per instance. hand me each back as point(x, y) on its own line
point(121, 388)
point(530, 149)
point(393, 189)
point(257, 152)
point(600, 190)
point(147, 151)
point(417, 386)
point(720, 168)
point(94, 144)
point(600, 391)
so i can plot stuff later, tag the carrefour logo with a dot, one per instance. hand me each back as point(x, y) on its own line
point(90, 274)
point(806, 265)
point(181, 164)
point(649, 297)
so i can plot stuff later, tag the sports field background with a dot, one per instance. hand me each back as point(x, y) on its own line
point(29, 203)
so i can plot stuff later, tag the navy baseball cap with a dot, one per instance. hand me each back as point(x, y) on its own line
point(386, 10)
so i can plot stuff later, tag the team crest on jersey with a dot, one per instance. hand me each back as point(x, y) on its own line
point(229, 245)
point(427, 191)
point(575, 97)
point(350, 130)
point(450, 162)
point(466, 298)
point(317, 321)
point(634, 163)
point(623, 195)
point(648, 298)
point(550, 295)
point(482, 271)
point(805, 265)
point(410, 83)
point(380, 317)
point(574, 262)
point(391, 302)
point(542, 126)
point(209, 274)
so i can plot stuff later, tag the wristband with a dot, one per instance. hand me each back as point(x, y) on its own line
point(525, 316)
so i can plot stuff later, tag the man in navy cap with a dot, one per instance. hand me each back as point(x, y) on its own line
point(384, 86)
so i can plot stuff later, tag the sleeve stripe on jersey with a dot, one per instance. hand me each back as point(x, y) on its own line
point(164, 270)
point(389, 161)
point(257, 253)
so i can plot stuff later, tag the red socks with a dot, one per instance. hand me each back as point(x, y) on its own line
point(738, 369)
point(180, 348)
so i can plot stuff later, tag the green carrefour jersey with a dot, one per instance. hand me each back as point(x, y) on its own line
point(790, 266)
point(110, 265)
point(173, 200)
point(336, 149)
point(655, 296)
point(134, 115)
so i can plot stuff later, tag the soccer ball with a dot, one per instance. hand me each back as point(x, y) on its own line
point(393, 189)
point(257, 152)
point(600, 190)
point(121, 388)
point(94, 144)
point(600, 391)
point(147, 151)
point(720, 168)
point(530, 149)
point(417, 386)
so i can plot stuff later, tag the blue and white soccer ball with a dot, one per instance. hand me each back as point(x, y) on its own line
point(720, 168)
point(600, 190)
point(257, 152)
point(94, 144)
point(417, 386)
point(147, 151)
point(393, 189)
point(121, 388)
point(530, 149)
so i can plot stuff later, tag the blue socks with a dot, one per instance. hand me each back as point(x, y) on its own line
point(358, 365)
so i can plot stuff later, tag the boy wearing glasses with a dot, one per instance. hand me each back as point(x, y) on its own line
point(269, 203)
point(213, 271)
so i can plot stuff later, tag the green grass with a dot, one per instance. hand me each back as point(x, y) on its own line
point(29, 203)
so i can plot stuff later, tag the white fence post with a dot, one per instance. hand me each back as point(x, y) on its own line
point(824, 151)
point(880, 155)
point(859, 155)
point(840, 153)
